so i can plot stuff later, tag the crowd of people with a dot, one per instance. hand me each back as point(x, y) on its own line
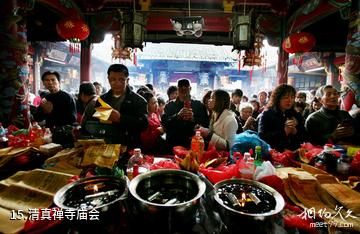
point(139, 118)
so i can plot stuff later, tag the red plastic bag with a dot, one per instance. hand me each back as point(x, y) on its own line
point(214, 175)
point(164, 164)
point(180, 151)
point(285, 158)
point(220, 173)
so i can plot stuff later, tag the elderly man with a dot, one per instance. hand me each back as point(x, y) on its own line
point(330, 124)
point(182, 115)
point(129, 115)
point(58, 107)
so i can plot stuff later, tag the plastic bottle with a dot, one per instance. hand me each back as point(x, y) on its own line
point(3, 138)
point(197, 145)
point(247, 156)
point(187, 104)
point(343, 165)
point(326, 160)
point(47, 136)
point(248, 171)
point(38, 135)
point(136, 164)
point(258, 156)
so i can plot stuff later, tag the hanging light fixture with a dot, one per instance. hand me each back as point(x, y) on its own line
point(133, 28)
point(188, 25)
point(241, 27)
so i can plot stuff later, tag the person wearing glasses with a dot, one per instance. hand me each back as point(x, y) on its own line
point(330, 124)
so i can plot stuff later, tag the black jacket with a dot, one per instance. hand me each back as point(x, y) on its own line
point(64, 110)
point(178, 131)
point(322, 123)
point(133, 119)
point(271, 129)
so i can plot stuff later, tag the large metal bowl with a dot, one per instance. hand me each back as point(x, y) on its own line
point(107, 212)
point(166, 218)
point(238, 221)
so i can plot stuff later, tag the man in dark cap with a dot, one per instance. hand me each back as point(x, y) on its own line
point(182, 115)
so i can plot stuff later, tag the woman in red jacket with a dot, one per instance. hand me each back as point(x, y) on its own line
point(151, 137)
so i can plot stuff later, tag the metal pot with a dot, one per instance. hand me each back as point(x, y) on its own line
point(237, 221)
point(100, 197)
point(178, 196)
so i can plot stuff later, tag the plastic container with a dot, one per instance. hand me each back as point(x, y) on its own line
point(37, 134)
point(136, 164)
point(198, 145)
point(327, 160)
point(248, 171)
point(343, 165)
point(3, 138)
point(258, 156)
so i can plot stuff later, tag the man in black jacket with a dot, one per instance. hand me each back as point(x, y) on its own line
point(182, 115)
point(330, 124)
point(129, 115)
point(58, 107)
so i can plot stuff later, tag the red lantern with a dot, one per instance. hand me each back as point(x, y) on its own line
point(299, 42)
point(73, 30)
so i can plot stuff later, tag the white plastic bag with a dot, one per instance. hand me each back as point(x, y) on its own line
point(266, 169)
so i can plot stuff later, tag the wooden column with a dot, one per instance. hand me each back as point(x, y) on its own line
point(351, 72)
point(283, 59)
point(85, 63)
point(85, 56)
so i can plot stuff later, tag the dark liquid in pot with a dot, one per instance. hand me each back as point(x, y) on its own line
point(76, 197)
point(167, 194)
point(266, 204)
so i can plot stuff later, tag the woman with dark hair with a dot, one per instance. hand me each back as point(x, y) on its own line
point(161, 103)
point(151, 137)
point(256, 109)
point(280, 125)
point(172, 93)
point(223, 124)
point(205, 101)
point(315, 105)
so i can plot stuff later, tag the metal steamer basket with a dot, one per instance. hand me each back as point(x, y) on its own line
point(166, 201)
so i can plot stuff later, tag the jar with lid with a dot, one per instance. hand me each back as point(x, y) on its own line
point(327, 160)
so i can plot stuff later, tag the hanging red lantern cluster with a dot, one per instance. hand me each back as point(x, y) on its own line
point(299, 42)
point(117, 51)
point(74, 30)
